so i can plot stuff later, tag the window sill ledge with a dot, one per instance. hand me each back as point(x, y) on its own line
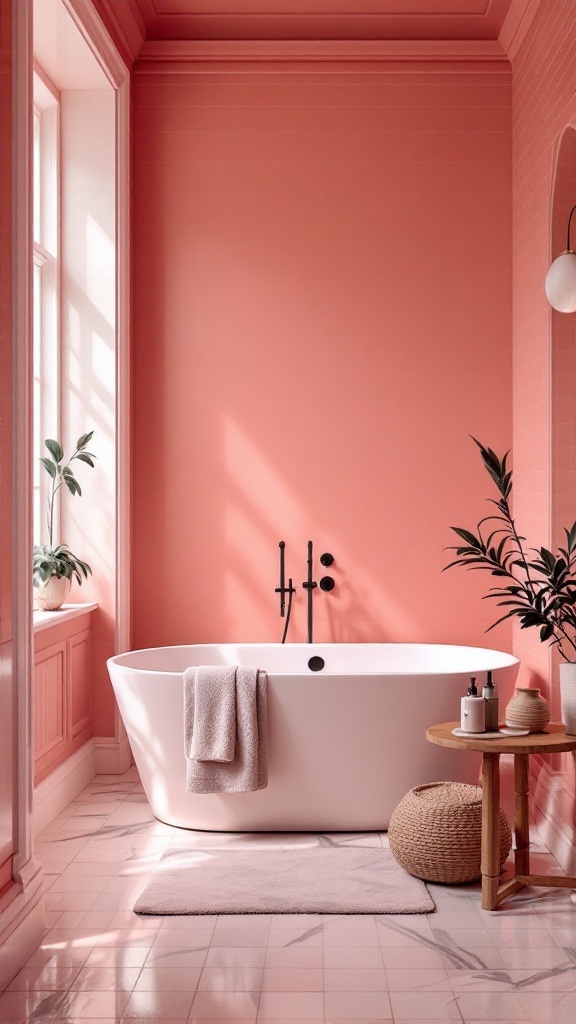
point(43, 620)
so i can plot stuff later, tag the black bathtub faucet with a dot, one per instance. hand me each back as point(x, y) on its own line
point(308, 586)
point(326, 583)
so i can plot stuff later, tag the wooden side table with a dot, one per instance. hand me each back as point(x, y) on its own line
point(553, 740)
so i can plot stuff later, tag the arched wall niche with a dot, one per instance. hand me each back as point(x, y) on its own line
point(563, 352)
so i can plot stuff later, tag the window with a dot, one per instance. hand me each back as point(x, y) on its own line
point(46, 280)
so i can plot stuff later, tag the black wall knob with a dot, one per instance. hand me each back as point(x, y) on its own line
point(326, 558)
point(327, 583)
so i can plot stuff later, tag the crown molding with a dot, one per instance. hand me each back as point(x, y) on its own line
point(516, 25)
point(125, 23)
point(177, 56)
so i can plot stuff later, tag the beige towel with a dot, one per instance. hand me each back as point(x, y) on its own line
point(249, 769)
point(214, 719)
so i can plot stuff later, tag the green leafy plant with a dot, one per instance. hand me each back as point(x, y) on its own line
point(538, 586)
point(60, 561)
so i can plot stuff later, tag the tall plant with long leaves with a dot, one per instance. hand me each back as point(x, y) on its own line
point(60, 561)
point(537, 586)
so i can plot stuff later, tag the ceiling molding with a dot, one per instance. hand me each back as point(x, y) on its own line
point(322, 19)
point(124, 19)
point(520, 16)
point(163, 55)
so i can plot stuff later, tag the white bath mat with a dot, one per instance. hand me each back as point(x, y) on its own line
point(317, 880)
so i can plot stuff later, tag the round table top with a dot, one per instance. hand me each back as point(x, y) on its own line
point(552, 740)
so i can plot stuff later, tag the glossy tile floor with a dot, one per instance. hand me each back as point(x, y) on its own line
point(101, 963)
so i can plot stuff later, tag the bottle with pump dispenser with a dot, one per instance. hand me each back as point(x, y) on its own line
point(490, 695)
point(472, 710)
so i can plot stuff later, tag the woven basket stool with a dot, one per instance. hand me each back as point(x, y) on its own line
point(435, 832)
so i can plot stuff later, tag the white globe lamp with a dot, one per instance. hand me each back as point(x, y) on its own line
point(560, 283)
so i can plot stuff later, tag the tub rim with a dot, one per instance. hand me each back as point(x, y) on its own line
point(506, 659)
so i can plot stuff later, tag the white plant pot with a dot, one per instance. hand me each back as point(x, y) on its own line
point(50, 596)
point(568, 696)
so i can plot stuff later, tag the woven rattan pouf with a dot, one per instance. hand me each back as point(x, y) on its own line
point(435, 832)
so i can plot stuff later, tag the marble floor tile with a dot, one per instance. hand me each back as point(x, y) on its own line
point(291, 1005)
point(167, 979)
point(425, 1006)
point(403, 958)
point(100, 963)
point(363, 1006)
point(159, 1004)
point(549, 1006)
point(355, 979)
point(298, 957)
point(482, 958)
point(235, 956)
point(236, 979)
point(292, 979)
point(368, 957)
point(529, 956)
point(116, 956)
point(218, 1005)
point(43, 978)
point(492, 1006)
point(418, 980)
point(180, 957)
point(96, 979)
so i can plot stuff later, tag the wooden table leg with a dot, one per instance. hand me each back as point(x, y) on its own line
point(521, 816)
point(490, 860)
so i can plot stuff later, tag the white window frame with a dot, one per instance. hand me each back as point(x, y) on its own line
point(46, 257)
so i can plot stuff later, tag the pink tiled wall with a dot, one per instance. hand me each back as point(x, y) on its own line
point(544, 104)
point(563, 363)
point(321, 316)
point(544, 75)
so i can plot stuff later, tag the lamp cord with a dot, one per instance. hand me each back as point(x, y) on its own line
point(568, 247)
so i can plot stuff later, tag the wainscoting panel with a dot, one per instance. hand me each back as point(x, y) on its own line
point(62, 697)
point(79, 683)
point(50, 705)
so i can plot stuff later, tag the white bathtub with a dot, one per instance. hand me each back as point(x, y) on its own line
point(345, 743)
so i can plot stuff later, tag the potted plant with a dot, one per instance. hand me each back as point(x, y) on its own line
point(54, 567)
point(535, 585)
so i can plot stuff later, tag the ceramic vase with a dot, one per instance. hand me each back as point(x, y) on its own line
point(528, 710)
point(51, 595)
point(568, 696)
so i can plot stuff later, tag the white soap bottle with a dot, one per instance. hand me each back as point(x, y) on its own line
point(472, 710)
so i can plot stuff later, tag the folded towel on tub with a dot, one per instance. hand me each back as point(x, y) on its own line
point(214, 720)
point(248, 770)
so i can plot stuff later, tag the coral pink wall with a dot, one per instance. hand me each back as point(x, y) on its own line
point(322, 273)
point(544, 74)
point(544, 104)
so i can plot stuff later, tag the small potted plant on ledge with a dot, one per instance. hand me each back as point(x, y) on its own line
point(535, 585)
point(54, 567)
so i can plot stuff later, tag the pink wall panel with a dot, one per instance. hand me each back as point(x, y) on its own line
point(322, 272)
point(544, 103)
point(544, 74)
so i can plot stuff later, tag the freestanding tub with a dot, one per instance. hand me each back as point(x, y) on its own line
point(345, 743)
